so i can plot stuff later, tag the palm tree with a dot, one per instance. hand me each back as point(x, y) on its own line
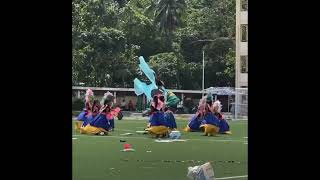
point(168, 14)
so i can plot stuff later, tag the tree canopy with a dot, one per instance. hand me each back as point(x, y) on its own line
point(108, 36)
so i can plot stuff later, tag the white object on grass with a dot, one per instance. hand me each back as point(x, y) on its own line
point(175, 135)
point(203, 172)
point(128, 150)
point(170, 140)
point(178, 140)
point(163, 140)
point(142, 132)
point(126, 134)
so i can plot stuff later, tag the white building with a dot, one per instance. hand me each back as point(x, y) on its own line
point(241, 101)
point(241, 43)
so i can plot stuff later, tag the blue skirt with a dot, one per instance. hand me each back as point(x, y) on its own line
point(170, 120)
point(101, 121)
point(210, 118)
point(89, 120)
point(194, 123)
point(82, 116)
point(224, 126)
point(157, 119)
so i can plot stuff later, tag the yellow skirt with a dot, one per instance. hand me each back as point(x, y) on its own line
point(210, 129)
point(92, 130)
point(187, 129)
point(78, 125)
point(158, 130)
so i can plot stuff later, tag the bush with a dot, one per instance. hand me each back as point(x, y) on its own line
point(188, 105)
point(77, 104)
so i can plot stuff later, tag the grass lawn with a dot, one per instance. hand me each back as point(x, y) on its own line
point(100, 157)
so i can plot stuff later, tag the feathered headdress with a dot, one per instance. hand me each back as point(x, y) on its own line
point(202, 104)
point(217, 106)
point(89, 96)
point(107, 98)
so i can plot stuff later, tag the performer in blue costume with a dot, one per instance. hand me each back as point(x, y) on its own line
point(210, 123)
point(82, 118)
point(170, 119)
point(223, 124)
point(171, 102)
point(94, 112)
point(157, 126)
point(194, 123)
point(206, 118)
point(101, 121)
point(107, 101)
point(196, 120)
point(161, 98)
point(97, 122)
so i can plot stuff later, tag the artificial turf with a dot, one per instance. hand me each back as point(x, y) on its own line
point(100, 157)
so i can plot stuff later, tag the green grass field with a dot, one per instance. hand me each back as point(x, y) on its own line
point(100, 157)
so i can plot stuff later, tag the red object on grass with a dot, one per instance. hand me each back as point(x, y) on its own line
point(127, 146)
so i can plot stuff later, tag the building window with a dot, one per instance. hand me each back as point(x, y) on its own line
point(244, 99)
point(244, 5)
point(244, 64)
point(244, 32)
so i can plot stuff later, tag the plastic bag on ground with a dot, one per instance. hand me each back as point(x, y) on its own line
point(203, 172)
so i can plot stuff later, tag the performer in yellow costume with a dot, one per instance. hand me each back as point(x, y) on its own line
point(157, 124)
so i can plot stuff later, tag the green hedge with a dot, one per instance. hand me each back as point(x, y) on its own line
point(77, 104)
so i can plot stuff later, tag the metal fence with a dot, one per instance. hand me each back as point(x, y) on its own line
point(227, 96)
point(240, 106)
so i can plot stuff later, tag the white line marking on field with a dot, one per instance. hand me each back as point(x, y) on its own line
point(214, 140)
point(126, 134)
point(232, 177)
point(222, 140)
point(245, 137)
point(74, 138)
point(170, 140)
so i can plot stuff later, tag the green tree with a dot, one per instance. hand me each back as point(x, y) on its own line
point(167, 15)
point(216, 56)
point(166, 66)
point(140, 30)
point(109, 35)
point(96, 44)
